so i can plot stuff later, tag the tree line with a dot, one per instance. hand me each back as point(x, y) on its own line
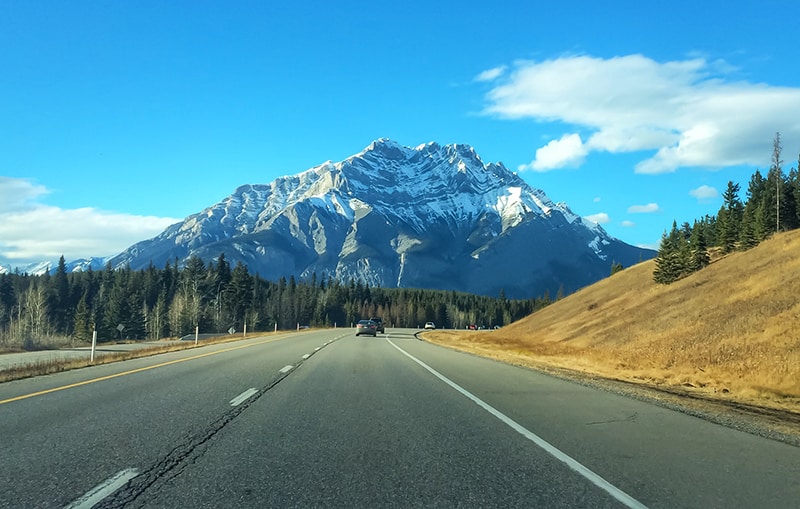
point(171, 302)
point(771, 205)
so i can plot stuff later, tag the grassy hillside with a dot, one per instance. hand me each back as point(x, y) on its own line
point(731, 331)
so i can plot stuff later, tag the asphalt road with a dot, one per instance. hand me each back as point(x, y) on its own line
point(325, 419)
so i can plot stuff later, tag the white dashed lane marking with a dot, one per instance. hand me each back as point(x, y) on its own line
point(104, 489)
point(241, 398)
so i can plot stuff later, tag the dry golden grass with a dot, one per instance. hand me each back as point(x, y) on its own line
point(730, 331)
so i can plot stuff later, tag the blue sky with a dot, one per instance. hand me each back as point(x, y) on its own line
point(120, 118)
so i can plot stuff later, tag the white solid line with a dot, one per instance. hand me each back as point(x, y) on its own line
point(241, 398)
point(287, 368)
point(552, 450)
point(104, 489)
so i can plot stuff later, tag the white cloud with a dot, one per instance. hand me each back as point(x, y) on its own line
point(628, 224)
point(643, 209)
point(704, 193)
point(569, 151)
point(16, 194)
point(34, 232)
point(599, 218)
point(686, 112)
point(491, 74)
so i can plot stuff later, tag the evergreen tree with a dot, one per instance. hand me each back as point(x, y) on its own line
point(239, 293)
point(748, 238)
point(794, 185)
point(730, 221)
point(8, 300)
point(84, 326)
point(697, 241)
point(666, 261)
point(62, 302)
point(115, 316)
point(789, 213)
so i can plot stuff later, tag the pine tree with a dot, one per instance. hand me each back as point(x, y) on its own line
point(239, 293)
point(666, 270)
point(789, 213)
point(794, 184)
point(730, 222)
point(8, 299)
point(700, 257)
point(83, 328)
point(747, 234)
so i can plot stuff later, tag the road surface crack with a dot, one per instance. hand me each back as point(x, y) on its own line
point(182, 455)
point(630, 418)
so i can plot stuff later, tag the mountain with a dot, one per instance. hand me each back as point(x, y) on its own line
point(39, 268)
point(34, 269)
point(427, 217)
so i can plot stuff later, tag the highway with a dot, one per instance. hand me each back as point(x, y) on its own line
point(327, 419)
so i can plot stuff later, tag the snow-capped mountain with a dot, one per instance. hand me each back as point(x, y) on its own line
point(39, 268)
point(34, 269)
point(426, 217)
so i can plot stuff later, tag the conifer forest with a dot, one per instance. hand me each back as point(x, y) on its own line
point(771, 205)
point(122, 304)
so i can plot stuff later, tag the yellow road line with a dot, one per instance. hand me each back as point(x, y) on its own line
point(138, 370)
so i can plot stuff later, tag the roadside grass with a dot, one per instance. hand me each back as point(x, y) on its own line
point(47, 367)
point(30, 344)
point(729, 332)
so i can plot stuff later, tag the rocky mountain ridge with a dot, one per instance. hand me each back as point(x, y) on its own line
point(432, 216)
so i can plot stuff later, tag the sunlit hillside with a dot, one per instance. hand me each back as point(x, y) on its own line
point(731, 330)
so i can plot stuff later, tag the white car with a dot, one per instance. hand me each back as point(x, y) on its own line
point(430, 325)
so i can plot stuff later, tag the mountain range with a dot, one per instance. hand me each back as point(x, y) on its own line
point(432, 216)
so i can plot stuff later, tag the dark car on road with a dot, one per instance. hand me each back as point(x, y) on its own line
point(379, 322)
point(366, 327)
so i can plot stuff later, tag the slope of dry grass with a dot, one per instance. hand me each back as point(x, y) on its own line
point(730, 331)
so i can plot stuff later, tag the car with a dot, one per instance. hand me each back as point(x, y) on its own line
point(430, 325)
point(366, 327)
point(379, 322)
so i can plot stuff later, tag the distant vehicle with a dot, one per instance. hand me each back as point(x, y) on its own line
point(430, 325)
point(472, 326)
point(366, 327)
point(379, 322)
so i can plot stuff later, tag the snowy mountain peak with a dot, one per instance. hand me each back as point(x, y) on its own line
point(430, 216)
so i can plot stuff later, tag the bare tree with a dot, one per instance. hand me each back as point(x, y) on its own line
point(776, 166)
point(36, 313)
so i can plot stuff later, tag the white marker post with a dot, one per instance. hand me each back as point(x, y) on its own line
point(94, 344)
point(196, 334)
